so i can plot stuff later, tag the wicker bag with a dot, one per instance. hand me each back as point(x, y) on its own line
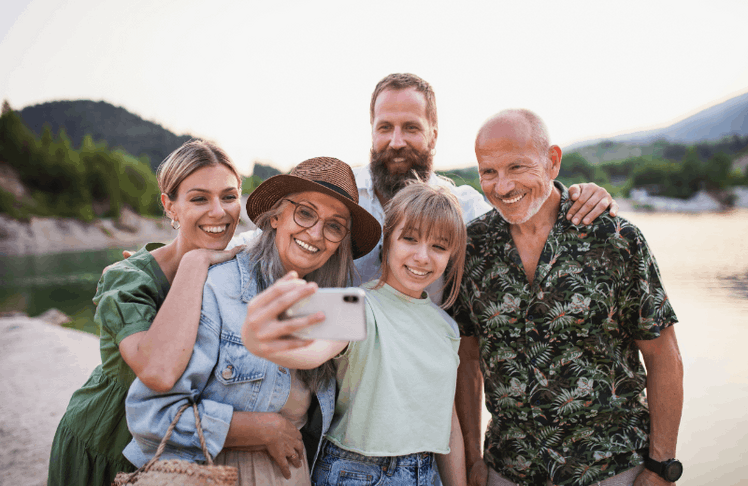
point(174, 472)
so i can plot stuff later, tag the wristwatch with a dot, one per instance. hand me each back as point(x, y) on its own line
point(670, 470)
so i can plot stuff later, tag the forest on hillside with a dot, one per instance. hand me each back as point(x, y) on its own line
point(123, 130)
point(90, 175)
point(82, 181)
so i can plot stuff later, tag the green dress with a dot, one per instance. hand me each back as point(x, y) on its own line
point(87, 448)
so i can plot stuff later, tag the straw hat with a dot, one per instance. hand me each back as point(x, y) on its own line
point(329, 176)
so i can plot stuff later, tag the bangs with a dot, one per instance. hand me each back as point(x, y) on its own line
point(434, 217)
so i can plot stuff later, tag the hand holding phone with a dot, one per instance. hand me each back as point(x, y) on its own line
point(345, 315)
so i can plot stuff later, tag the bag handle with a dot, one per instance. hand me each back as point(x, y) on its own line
point(167, 436)
point(147, 466)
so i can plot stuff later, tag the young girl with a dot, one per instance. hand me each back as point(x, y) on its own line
point(394, 410)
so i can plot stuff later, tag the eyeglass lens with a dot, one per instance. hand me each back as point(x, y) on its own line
point(308, 217)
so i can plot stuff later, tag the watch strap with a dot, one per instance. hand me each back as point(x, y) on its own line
point(655, 466)
point(661, 468)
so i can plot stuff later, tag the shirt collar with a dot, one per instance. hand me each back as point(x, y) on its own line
point(561, 222)
point(364, 180)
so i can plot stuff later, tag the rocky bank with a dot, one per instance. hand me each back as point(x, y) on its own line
point(57, 235)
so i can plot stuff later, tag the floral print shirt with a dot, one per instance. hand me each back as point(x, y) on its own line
point(563, 380)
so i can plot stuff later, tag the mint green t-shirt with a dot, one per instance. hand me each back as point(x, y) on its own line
point(397, 386)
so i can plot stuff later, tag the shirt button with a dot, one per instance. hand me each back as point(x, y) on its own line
point(537, 402)
point(533, 361)
point(283, 370)
point(228, 372)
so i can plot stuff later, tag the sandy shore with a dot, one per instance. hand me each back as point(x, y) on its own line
point(41, 365)
point(704, 262)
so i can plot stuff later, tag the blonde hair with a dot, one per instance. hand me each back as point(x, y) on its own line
point(428, 210)
point(188, 158)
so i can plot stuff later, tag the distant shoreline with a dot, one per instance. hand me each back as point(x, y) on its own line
point(42, 236)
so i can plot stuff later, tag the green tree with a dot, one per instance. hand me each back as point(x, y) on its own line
point(249, 184)
point(717, 171)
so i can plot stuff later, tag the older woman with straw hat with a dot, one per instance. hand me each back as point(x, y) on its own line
point(312, 229)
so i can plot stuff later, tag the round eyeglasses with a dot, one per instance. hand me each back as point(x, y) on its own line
point(306, 217)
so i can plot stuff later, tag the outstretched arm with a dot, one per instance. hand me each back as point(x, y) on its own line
point(160, 355)
point(267, 336)
point(590, 200)
point(665, 397)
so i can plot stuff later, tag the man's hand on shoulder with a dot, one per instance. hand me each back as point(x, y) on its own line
point(590, 201)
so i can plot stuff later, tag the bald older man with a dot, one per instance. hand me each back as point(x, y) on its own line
point(553, 316)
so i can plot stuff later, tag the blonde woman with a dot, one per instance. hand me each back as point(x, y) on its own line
point(148, 309)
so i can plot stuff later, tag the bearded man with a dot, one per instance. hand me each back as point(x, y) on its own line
point(404, 130)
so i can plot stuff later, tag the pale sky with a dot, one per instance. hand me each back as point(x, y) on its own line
point(282, 81)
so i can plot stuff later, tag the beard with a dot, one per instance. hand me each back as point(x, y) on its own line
point(387, 183)
point(532, 209)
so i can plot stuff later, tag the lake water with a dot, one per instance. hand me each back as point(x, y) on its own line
point(703, 259)
point(65, 281)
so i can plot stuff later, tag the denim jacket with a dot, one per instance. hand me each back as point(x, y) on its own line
point(222, 376)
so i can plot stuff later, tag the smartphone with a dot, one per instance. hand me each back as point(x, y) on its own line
point(345, 316)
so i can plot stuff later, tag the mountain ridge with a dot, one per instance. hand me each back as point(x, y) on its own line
point(115, 125)
point(731, 118)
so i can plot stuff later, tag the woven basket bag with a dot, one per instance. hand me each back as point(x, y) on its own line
point(173, 472)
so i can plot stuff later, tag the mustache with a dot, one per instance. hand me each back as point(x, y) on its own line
point(420, 166)
point(410, 154)
point(510, 195)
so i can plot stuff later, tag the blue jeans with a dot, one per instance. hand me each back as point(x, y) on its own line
point(339, 467)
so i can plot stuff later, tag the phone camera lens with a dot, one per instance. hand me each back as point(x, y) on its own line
point(350, 298)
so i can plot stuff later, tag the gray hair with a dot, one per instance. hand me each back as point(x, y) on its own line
point(338, 271)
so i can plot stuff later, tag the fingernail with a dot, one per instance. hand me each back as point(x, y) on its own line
point(576, 220)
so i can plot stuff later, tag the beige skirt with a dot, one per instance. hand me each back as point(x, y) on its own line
point(257, 468)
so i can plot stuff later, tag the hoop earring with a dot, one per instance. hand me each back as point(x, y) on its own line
point(175, 224)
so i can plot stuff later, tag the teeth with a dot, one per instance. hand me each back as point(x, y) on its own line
point(514, 200)
point(416, 272)
point(307, 246)
point(214, 229)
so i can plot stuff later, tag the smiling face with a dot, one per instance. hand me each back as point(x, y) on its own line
point(402, 139)
point(306, 249)
point(415, 261)
point(207, 208)
point(514, 176)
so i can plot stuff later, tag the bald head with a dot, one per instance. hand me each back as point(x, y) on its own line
point(517, 125)
point(516, 165)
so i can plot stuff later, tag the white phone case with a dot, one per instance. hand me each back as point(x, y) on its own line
point(345, 315)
